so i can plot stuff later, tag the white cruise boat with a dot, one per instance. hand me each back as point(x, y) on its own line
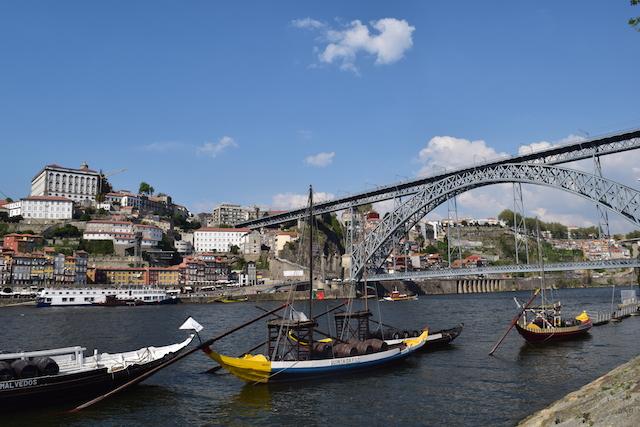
point(134, 295)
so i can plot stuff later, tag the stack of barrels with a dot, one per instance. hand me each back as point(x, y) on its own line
point(349, 348)
point(27, 368)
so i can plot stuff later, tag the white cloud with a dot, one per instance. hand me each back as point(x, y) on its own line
point(286, 201)
point(212, 149)
point(307, 23)
point(570, 219)
point(161, 147)
point(388, 43)
point(320, 160)
point(544, 145)
point(450, 152)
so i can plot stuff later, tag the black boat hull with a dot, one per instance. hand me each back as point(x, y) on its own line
point(70, 389)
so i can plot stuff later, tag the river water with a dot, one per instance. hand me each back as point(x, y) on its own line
point(461, 385)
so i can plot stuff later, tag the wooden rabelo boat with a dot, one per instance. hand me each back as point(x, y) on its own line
point(65, 375)
point(548, 325)
point(545, 323)
point(293, 350)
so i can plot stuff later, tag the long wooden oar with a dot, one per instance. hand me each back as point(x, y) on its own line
point(514, 321)
point(173, 360)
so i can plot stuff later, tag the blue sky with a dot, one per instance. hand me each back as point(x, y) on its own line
point(224, 101)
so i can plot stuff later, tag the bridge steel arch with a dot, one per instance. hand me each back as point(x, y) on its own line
point(377, 245)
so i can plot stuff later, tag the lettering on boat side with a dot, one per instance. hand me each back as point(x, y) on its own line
point(7, 385)
point(344, 360)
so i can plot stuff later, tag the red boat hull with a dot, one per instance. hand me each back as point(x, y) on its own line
point(555, 334)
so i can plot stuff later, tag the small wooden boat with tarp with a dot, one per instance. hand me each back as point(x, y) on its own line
point(34, 379)
point(294, 351)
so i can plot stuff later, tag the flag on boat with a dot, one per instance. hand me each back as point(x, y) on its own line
point(191, 324)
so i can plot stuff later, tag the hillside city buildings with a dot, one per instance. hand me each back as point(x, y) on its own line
point(157, 242)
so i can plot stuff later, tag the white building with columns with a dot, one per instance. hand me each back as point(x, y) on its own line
point(76, 184)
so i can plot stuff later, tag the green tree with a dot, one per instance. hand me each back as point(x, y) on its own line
point(634, 234)
point(234, 249)
point(64, 231)
point(97, 247)
point(145, 188)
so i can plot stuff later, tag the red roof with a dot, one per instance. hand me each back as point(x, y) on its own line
point(49, 198)
point(22, 235)
point(146, 226)
point(228, 230)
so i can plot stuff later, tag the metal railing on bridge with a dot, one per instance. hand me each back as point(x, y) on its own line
point(506, 269)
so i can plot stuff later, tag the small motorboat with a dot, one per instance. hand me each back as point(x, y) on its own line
point(397, 296)
point(34, 379)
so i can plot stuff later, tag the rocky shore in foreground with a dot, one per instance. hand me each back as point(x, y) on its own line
point(611, 400)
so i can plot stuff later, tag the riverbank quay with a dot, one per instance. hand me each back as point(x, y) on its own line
point(611, 400)
point(14, 302)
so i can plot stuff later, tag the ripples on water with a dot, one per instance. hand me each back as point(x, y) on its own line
point(457, 386)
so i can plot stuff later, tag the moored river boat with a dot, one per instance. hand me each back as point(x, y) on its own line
point(35, 379)
point(549, 325)
point(293, 351)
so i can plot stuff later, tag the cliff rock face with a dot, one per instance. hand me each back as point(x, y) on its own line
point(611, 400)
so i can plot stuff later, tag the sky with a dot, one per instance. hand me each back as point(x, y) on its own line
point(251, 102)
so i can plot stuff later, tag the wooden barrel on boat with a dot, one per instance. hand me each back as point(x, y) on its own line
point(364, 347)
point(322, 348)
point(345, 350)
point(24, 369)
point(46, 366)
point(377, 345)
point(6, 373)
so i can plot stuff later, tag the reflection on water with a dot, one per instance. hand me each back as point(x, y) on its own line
point(460, 385)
